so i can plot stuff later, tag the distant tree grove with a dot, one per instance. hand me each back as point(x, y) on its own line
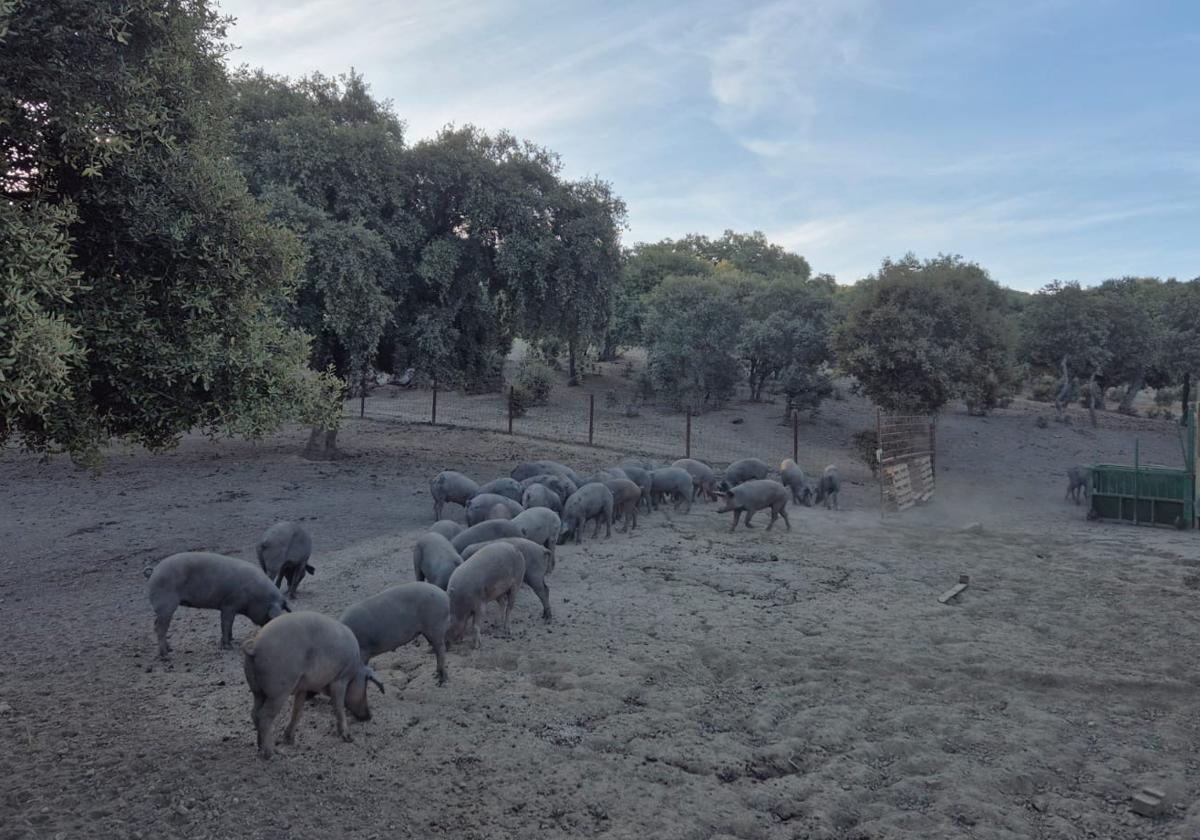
point(185, 247)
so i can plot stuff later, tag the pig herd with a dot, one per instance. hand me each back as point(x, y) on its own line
point(513, 527)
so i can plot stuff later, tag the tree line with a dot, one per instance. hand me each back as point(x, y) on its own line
point(188, 247)
point(914, 336)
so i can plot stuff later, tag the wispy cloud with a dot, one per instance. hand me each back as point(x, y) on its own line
point(768, 74)
point(1015, 133)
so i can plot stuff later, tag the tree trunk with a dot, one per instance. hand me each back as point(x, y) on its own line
point(1135, 388)
point(608, 352)
point(763, 376)
point(1092, 386)
point(572, 378)
point(322, 445)
point(1064, 390)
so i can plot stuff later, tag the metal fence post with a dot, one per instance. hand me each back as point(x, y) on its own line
point(932, 446)
point(796, 436)
point(879, 458)
point(687, 436)
point(433, 414)
point(362, 395)
point(510, 408)
point(591, 417)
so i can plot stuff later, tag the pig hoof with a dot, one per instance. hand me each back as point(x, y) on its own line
point(288, 739)
point(347, 737)
point(265, 755)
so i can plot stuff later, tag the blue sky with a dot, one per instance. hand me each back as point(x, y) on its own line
point(1045, 140)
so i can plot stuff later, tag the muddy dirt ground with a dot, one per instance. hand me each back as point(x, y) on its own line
point(693, 684)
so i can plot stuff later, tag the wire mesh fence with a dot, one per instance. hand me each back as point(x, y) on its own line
point(906, 459)
point(595, 419)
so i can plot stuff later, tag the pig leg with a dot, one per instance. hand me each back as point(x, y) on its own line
point(227, 616)
point(629, 515)
point(539, 587)
point(596, 530)
point(337, 693)
point(774, 516)
point(437, 640)
point(162, 622)
point(289, 734)
point(786, 521)
point(510, 598)
point(607, 516)
point(475, 626)
point(296, 576)
point(264, 721)
point(437, 509)
point(279, 577)
point(633, 511)
point(737, 512)
point(749, 513)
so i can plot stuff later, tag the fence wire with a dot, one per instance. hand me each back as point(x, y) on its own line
point(717, 437)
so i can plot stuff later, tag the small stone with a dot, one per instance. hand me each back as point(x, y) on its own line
point(973, 528)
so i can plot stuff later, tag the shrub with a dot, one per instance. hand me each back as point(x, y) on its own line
point(1167, 396)
point(1043, 389)
point(549, 351)
point(536, 380)
point(1085, 396)
point(488, 379)
point(519, 400)
point(864, 444)
point(987, 393)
